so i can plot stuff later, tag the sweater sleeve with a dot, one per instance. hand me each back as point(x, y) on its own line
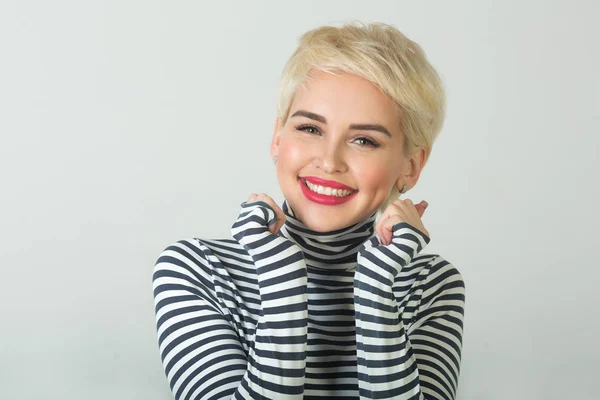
point(424, 362)
point(278, 358)
point(200, 350)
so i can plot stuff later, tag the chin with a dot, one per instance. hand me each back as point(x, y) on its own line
point(326, 218)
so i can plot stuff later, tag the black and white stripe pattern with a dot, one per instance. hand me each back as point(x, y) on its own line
point(308, 315)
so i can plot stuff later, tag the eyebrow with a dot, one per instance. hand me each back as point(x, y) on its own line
point(361, 127)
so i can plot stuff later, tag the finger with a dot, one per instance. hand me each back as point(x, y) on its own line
point(386, 237)
point(380, 231)
point(279, 215)
point(410, 208)
point(272, 224)
point(389, 224)
point(414, 213)
point(386, 234)
point(379, 224)
point(397, 214)
point(403, 211)
point(421, 207)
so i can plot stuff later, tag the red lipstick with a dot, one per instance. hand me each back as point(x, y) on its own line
point(324, 182)
point(322, 198)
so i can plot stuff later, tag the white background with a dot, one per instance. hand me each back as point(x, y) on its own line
point(128, 125)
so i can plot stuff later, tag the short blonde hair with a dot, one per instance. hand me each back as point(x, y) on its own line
point(381, 54)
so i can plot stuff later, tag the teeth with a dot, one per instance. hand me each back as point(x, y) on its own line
point(327, 191)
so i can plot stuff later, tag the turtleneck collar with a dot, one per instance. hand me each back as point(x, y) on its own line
point(327, 250)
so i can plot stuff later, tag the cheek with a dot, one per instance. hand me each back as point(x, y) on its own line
point(375, 177)
point(292, 155)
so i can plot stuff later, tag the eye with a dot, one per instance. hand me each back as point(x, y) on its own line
point(366, 142)
point(311, 129)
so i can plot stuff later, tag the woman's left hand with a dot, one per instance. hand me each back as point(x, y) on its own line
point(400, 211)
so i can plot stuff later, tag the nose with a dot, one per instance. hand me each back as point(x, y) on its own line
point(331, 159)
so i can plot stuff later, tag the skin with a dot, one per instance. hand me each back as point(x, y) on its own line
point(363, 158)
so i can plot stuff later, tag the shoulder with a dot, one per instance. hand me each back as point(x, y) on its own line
point(430, 271)
point(182, 251)
point(200, 257)
point(439, 268)
point(194, 248)
point(443, 288)
point(194, 253)
point(183, 259)
point(438, 291)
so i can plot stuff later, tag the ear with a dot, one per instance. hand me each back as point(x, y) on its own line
point(276, 138)
point(412, 169)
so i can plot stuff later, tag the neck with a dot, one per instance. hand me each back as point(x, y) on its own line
point(327, 250)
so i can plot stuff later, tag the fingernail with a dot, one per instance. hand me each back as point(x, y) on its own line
point(425, 204)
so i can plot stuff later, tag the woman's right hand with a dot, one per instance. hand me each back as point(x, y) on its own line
point(276, 224)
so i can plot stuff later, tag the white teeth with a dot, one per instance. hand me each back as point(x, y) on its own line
point(327, 191)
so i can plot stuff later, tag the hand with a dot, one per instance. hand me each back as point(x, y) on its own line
point(280, 216)
point(400, 211)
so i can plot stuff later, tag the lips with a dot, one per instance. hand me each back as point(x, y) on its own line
point(324, 182)
point(325, 199)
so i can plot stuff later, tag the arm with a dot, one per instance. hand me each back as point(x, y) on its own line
point(279, 351)
point(393, 363)
point(200, 350)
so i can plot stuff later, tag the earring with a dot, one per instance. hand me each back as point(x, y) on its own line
point(275, 160)
point(404, 189)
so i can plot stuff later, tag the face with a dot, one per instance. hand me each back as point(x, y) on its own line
point(340, 152)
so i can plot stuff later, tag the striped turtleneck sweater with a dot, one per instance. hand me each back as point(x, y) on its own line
point(308, 315)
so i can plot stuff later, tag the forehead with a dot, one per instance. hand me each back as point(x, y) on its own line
point(345, 97)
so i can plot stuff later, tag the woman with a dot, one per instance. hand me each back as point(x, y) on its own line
point(320, 298)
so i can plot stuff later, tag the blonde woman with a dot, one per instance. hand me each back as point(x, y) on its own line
point(329, 295)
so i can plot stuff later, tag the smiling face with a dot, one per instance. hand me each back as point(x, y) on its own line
point(340, 151)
